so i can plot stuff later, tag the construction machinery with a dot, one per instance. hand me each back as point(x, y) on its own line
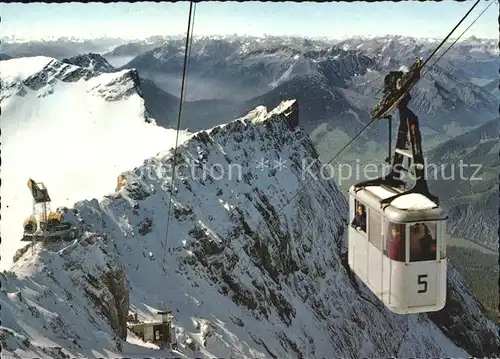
point(44, 224)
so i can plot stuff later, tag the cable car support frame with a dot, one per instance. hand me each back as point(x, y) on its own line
point(397, 87)
point(397, 95)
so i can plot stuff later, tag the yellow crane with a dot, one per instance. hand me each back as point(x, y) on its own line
point(46, 224)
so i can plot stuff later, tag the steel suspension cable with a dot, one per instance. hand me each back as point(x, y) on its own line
point(187, 52)
point(451, 32)
point(458, 38)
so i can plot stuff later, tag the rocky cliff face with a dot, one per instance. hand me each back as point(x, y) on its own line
point(249, 267)
point(69, 299)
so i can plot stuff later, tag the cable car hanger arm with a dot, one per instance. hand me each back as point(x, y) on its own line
point(409, 129)
point(396, 94)
point(397, 86)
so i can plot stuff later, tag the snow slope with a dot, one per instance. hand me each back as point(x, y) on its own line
point(243, 279)
point(73, 129)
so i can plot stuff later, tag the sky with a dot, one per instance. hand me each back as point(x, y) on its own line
point(333, 20)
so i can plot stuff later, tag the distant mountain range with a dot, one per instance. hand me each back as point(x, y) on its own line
point(336, 84)
point(57, 48)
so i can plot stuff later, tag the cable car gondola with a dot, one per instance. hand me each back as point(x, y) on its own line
point(397, 243)
point(397, 236)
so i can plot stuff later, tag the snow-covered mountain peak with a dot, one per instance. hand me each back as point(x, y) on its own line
point(261, 114)
point(42, 74)
point(244, 276)
point(90, 61)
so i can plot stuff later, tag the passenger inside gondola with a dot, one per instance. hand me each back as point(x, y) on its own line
point(397, 243)
point(359, 221)
point(423, 244)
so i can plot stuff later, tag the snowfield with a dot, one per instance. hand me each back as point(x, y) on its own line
point(67, 135)
point(243, 279)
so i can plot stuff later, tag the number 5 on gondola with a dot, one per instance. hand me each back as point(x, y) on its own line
point(422, 281)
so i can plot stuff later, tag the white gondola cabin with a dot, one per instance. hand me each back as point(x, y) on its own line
point(409, 280)
point(397, 243)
